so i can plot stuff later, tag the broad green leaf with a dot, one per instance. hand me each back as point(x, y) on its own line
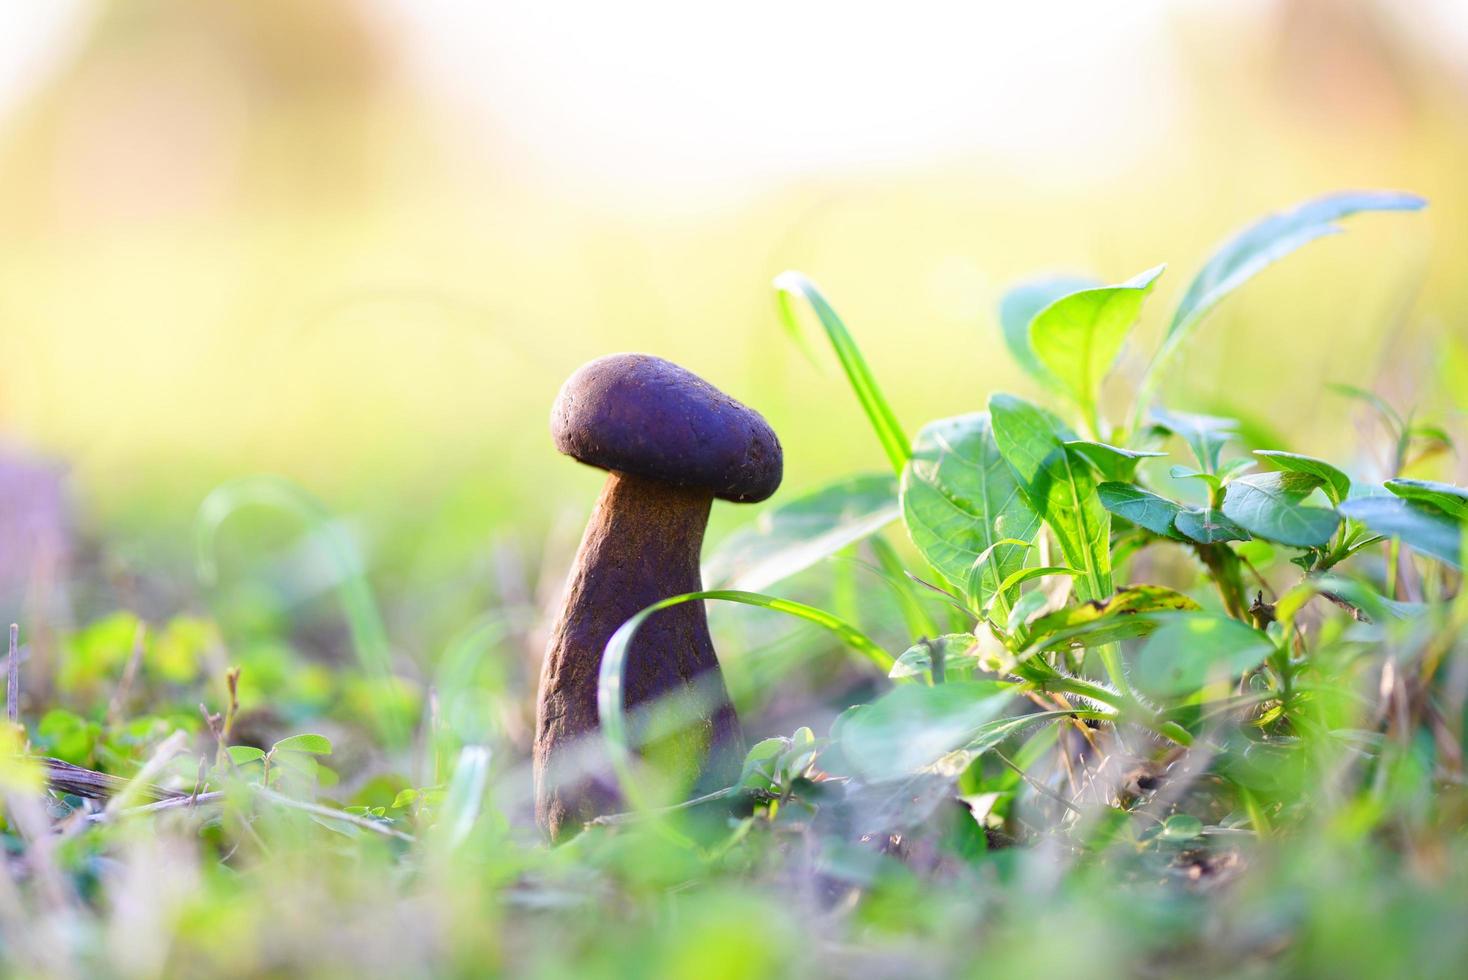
point(1018, 308)
point(1189, 650)
point(1077, 337)
point(1112, 462)
point(1271, 238)
point(1268, 505)
point(858, 375)
point(1447, 498)
point(1204, 434)
point(960, 499)
point(1061, 489)
point(800, 532)
point(1419, 527)
point(241, 754)
point(1208, 526)
point(312, 744)
point(1142, 507)
point(1181, 826)
point(1336, 484)
point(1098, 623)
point(958, 651)
point(911, 727)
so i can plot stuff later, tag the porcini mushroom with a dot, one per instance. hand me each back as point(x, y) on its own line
point(671, 443)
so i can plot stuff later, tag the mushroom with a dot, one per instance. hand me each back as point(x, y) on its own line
point(671, 443)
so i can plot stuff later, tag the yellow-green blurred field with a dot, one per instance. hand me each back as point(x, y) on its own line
point(244, 239)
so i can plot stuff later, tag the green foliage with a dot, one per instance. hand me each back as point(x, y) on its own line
point(912, 727)
point(1451, 500)
point(1098, 623)
point(1337, 485)
point(1057, 486)
point(1142, 507)
point(1268, 505)
point(1419, 527)
point(1077, 337)
point(962, 507)
point(1266, 241)
point(1018, 308)
point(1189, 651)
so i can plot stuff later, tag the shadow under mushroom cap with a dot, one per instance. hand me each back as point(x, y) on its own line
point(639, 414)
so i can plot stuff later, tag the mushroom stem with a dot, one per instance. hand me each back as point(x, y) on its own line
point(641, 545)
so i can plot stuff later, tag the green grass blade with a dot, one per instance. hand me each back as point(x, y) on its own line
point(873, 403)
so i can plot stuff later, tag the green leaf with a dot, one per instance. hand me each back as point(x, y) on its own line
point(873, 402)
point(1077, 337)
point(1268, 505)
point(801, 532)
point(1098, 623)
point(311, 744)
point(1018, 308)
point(242, 754)
point(1142, 507)
point(960, 498)
point(1112, 462)
point(917, 660)
point(761, 763)
point(1208, 526)
point(1420, 528)
point(1214, 481)
point(1447, 498)
point(991, 734)
point(1267, 240)
point(1027, 608)
point(1204, 434)
point(1181, 826)
point(1060, 489)
point(1189, 650)
point(911, 727)
point(1337, 484)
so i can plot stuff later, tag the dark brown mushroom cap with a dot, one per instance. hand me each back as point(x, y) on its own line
point(642, 415)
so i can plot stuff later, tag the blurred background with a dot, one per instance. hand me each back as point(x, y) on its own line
point(360, 243)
